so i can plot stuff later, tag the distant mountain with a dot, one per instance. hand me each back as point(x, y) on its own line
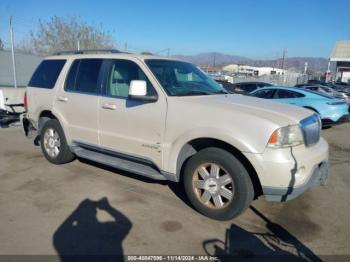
point(209, 59)
point(296, 64)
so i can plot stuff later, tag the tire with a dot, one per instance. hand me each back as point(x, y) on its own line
point(48, 141)
point(242, 191)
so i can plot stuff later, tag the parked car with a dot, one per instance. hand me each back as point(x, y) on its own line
point(343, 89)
point(332, 111)
point(229, 87)
point(8, 113)
point(167, 120)
point(328, 91)
point(246, 87)
point(315, 82)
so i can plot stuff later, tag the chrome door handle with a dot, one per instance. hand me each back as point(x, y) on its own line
point(62, 99)
point(109, 106)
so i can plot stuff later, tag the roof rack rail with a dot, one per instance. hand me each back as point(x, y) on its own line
point(86, 51)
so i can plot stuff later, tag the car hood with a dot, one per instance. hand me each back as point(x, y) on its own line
point(279, 113)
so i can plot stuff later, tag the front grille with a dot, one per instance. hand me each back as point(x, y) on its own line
point(311, 127)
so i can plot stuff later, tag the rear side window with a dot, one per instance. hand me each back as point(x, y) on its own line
point(83, 76)
point(45, 76)
point(72, 76)
point(285, 94)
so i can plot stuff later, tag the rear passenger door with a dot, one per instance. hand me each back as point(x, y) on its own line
point(129, 127)
point(288, 96)
point(77, 101)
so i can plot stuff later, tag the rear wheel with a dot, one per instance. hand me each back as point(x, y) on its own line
point(217, 184)
point(53, 143)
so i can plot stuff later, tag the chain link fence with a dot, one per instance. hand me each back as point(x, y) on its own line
point(278, 80)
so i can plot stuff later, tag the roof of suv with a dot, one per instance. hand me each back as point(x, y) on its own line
point(111, 55)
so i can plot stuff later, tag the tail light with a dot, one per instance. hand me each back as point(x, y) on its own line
point(25, 102)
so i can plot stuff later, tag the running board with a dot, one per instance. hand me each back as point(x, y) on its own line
point(119, 163)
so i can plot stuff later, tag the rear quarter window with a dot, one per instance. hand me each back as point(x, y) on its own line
point(45, 76)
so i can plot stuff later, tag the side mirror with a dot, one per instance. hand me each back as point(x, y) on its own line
point(138, 91)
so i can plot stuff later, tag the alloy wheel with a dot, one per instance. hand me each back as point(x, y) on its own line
point(213, 185)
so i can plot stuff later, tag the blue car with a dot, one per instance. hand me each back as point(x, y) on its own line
point(332, 111)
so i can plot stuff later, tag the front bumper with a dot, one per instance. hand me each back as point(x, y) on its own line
point(341, 120)
point(319, 175)
point(286, 173)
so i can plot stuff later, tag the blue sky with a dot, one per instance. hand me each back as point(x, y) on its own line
point(256, 29)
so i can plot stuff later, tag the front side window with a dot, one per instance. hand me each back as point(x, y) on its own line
point(249, 87)
point(45, 76)
point(266, 93)
point(183, 79)
point(83, 76)
point(119, 75)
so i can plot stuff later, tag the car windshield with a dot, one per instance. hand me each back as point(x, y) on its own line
point(183, 79)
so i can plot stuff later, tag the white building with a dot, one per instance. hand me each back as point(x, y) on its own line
point(341, 55)
point(253, 70)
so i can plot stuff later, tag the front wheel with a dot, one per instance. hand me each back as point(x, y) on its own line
point(217, 184)
point(53, 143)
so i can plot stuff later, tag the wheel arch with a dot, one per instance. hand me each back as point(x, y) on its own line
point(44, 116)
point(312, 108)
point(197, 144)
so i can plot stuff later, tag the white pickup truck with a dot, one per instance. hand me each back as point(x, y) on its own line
point(166, 119)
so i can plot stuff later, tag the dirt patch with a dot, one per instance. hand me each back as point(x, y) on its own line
point(47, 206)
point(12, 153)
point(21, 154)
point(135, 199)
point(35, 156)
point(34, 185)
point(171, 226)
point(295, 214)
point(338, 148)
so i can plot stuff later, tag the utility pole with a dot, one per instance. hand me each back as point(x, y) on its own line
point(13, 55)
point(283, 58)
point(78, 42)
point(126, 46)
point(214, 59)
point(305, 67)
point(328, 73)
point(168, 52)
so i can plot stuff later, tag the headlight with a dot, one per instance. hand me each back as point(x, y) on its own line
point(286, 137)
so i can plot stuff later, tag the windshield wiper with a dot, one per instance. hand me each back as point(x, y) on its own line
point(196, 92)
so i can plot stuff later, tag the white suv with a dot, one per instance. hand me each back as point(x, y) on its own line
point(165, 119)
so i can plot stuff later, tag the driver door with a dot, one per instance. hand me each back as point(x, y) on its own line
point(130, 127)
